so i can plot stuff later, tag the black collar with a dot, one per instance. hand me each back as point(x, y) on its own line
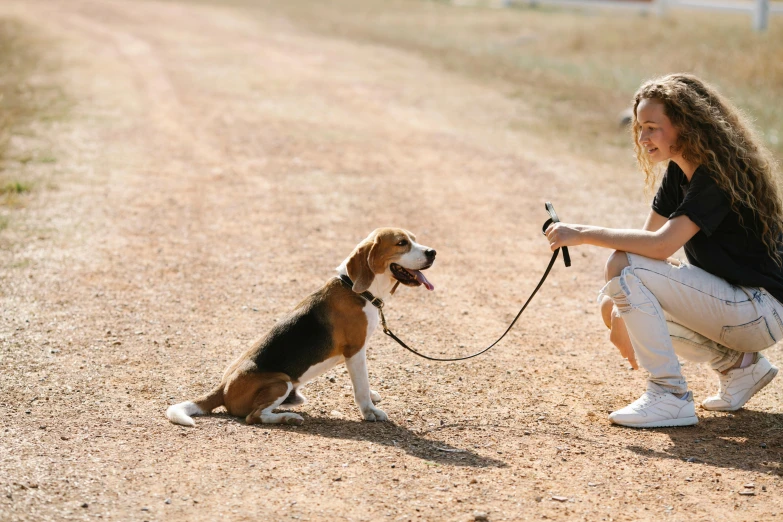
point(377, 302)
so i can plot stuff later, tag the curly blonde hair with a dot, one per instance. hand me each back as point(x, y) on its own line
point(715, 134)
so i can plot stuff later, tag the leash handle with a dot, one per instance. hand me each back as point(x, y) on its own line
point(554, 219)
point(566, 258)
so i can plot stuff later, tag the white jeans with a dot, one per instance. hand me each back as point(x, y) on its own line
point(683, 310)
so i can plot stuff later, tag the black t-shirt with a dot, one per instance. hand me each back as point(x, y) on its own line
point(722, 246)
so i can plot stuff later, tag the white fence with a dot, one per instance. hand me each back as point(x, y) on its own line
point(760, 10)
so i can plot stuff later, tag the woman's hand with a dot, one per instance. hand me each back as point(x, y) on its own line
point(620, 338)
point(619, 333)
point(563, 235)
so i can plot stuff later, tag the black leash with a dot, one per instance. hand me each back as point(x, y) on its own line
point(566, 259)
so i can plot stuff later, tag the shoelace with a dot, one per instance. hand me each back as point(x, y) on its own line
point(649, 397)
point(724, 385)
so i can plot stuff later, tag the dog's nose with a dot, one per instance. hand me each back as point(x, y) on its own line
point(430, 253)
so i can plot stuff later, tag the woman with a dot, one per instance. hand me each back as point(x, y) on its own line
point(719, 199)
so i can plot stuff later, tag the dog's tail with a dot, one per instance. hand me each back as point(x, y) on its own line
point(181, 413)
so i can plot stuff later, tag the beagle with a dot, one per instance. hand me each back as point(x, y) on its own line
point(331, 326)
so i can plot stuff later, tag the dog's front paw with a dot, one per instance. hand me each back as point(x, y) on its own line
point(373, 414)
point(375, 396)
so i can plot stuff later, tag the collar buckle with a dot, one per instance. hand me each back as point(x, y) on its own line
point(377, 302)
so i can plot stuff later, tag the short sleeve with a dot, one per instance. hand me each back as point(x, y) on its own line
point(667, 199)
point(705, 203)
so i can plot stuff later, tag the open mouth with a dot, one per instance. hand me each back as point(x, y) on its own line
point(410, 277)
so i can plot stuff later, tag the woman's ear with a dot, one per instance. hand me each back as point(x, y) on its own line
point(359, 265)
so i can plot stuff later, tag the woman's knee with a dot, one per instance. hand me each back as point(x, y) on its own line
point(615, 264)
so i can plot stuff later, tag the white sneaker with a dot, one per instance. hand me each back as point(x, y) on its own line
point(657, 408)
point(739, 385)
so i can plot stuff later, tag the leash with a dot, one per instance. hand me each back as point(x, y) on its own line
point(566, 259)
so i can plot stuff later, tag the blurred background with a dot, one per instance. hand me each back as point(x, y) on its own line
point(575, 63)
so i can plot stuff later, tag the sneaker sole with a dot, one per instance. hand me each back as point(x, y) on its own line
point(753, 391)
point(670, 423)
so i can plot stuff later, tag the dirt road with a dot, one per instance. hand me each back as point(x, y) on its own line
point(217, 163)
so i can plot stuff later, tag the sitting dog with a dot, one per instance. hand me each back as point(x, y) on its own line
point(331, 326)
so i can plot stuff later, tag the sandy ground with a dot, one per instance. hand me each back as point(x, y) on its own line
point(215, 167)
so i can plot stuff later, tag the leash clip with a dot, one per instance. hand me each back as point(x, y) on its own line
point(383, 322)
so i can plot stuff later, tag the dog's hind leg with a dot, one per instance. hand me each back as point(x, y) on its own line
point(270, 395)
point(181, 413)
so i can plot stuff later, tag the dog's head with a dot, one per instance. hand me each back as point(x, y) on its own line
point(389, 252)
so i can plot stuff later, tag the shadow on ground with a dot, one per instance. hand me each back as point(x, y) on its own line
point(384, 434)
point(746, 439)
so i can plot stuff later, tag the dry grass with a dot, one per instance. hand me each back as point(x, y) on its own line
point(17, 57)
point(26, 99)
point(575, 70)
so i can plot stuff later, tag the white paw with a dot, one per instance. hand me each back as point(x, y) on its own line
point(373, 414)
point(375, 396)
point(293, 418)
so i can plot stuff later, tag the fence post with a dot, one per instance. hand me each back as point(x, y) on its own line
point(761, 15)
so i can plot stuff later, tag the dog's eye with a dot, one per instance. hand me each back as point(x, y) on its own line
point(402, 242)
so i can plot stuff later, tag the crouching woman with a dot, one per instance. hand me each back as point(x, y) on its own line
point(719, 199)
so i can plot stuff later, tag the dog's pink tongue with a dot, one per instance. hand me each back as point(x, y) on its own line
point(423, 280)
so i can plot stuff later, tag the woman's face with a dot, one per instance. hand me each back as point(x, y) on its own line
point(657, 135)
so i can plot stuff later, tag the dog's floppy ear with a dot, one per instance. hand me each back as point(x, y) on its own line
point(359, 266)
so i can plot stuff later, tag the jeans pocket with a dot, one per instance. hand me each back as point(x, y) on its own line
point(749, 337)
